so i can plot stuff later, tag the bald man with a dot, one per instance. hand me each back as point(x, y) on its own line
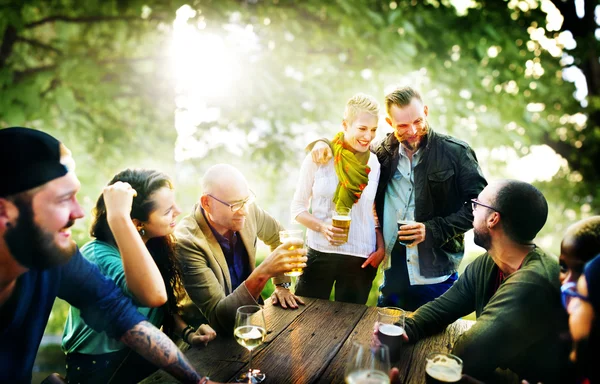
point(217, 248)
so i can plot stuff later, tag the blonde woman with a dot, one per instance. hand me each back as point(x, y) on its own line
point(349, 181)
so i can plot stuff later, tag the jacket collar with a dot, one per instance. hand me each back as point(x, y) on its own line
point(246, 235)
point(214, 245)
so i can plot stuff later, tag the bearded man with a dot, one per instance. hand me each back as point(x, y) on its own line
point(428, 178)
point(513, 289)
point(39, 261)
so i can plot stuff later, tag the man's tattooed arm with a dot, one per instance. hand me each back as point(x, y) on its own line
point(157, 348)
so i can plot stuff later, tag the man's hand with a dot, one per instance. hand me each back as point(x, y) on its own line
point(334, 235)
point(374, 258)
point(415, 232)
point(395, 376)
point(321, 153)
point(118, 199)
point(202, 336)
point(291, 254)
point(285, 298)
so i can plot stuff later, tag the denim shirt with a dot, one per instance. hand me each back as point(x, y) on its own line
point(400, 196)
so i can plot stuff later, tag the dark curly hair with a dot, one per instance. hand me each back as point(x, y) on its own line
point(162, 249)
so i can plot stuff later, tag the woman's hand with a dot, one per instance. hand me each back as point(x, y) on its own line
point(203, 335)
point(334, 235)
point(375, 258)
point(118, 199)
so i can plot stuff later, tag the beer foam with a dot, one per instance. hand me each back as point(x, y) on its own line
point(391, 329)
point(341, 218)
point(444, 369)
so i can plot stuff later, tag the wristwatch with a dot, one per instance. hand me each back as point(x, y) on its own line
point(284, 285)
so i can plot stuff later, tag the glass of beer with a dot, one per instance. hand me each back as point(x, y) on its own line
point(443, 368)
point(368, 364)
point(341, 219)
point(296, 234)
point(390, 329)
point(404, 218)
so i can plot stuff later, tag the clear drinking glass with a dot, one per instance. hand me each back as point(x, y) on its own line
point(443, 368)
point(341, 219)
point(250, 332)
point(292, 234)
point(390, 329)
point(368, 363)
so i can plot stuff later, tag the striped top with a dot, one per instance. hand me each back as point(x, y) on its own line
point(315, 189)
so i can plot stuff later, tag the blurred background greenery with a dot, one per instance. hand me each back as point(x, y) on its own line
point(181, 85)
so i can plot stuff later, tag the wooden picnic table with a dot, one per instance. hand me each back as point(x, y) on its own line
point(310, 345)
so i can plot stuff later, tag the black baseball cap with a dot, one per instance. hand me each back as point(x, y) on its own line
point(28, 158)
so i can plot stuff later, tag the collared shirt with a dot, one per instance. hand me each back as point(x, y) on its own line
point(400, 196)
point(236, 255)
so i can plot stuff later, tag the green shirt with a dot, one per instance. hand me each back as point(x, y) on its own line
point(80, 338)
point(518, 327)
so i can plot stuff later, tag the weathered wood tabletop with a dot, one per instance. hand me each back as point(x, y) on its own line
point(310, 345)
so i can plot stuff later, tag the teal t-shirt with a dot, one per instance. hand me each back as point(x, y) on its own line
point(78, 337)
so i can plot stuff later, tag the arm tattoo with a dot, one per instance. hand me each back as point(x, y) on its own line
point(157, 348)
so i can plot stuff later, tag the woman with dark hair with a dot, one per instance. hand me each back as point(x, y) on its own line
point(133, 225)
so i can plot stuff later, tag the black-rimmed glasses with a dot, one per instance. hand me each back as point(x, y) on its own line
point(475, 203)
point(569, 291)
point(239, 205)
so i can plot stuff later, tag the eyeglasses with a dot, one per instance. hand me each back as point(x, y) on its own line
point(239, 205)
point(475, 203)
point(568, 291)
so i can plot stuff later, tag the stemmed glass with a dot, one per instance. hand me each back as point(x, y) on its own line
point(250, 332)
point(368, 363)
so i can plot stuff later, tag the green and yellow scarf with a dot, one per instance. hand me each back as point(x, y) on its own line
point(352, 171)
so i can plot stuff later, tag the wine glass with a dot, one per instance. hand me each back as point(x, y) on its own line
point(250, 332)
point(368, 363)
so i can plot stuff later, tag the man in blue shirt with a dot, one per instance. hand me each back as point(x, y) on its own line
point(39, 261)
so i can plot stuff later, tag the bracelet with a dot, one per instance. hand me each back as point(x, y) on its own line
point(204, 380)
point(186, 332)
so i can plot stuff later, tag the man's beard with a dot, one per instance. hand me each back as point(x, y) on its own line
point(31, 246)
point(414, 145)
point(483, 239)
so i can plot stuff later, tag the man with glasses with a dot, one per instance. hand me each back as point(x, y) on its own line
point(513, 289)
point(216, 245)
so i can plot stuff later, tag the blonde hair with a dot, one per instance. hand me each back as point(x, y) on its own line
point(360, 103)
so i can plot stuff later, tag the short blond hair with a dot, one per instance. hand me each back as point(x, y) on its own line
point(360, 103)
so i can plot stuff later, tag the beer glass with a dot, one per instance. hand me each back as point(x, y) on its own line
point(368, 364)
point(404, 218)
point(341, 219)
point(390, 329)
point(288, 235)
point(250, 332)
point(443, 368)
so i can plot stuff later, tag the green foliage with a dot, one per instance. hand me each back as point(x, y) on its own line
point(98, 75)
